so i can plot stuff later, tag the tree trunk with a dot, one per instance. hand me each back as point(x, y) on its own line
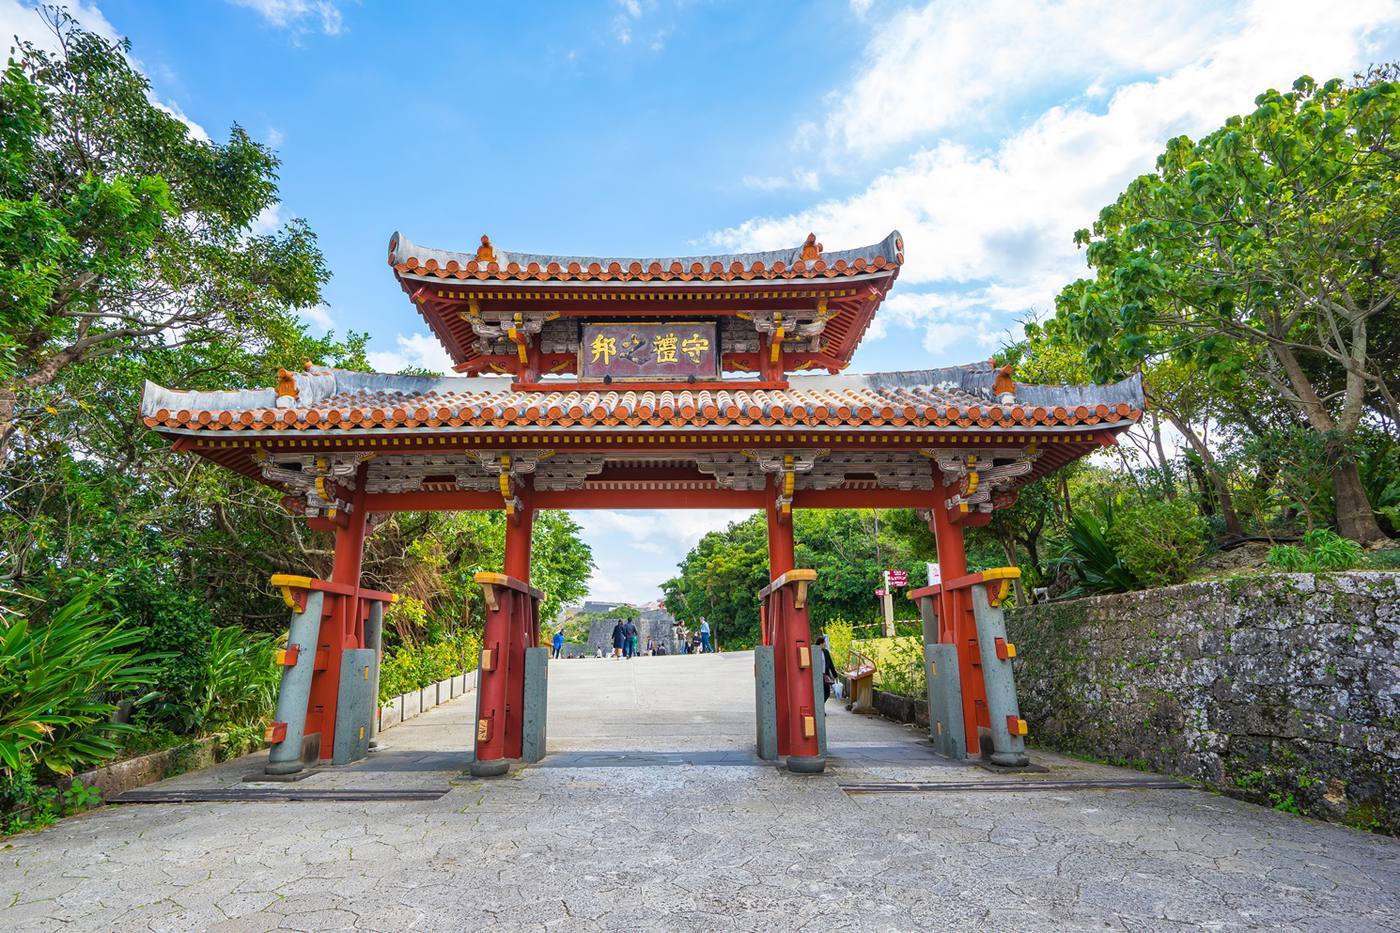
point(1355, 520)
point(1217, 482)
point(1168, 487)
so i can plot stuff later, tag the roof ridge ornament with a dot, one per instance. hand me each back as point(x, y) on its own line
point(1003, 387)
point(485, 252)
point(287, 391)
point(811, 249)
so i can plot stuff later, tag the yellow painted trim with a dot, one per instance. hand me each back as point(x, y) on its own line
point(286, 582)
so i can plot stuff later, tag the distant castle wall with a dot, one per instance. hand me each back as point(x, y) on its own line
point(655, 624)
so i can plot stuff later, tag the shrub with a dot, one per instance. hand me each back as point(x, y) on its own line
point(410, 668)
point(241, 679)
point(839, 635)
point(1159, 540)
point(1090, 555)
point(179, 627)
point(60, 680)
point(1321, 549)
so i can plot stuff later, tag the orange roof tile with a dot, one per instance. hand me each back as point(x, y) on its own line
point(489, 264)
point(342, 401)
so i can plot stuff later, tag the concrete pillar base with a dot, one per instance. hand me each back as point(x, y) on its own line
point(283, 767)
point(493, 768)
point(1009, 759)
point(799, 764)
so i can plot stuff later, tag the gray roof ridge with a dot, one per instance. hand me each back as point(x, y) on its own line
point(401, 248)
point(321, 383)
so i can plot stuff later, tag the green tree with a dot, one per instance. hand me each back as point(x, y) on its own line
point(121, 232)
point(1265, 251)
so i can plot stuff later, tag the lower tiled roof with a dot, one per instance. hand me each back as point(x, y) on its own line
point(342, 401)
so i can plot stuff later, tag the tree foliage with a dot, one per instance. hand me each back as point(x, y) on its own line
point(1262, 257)
point(133, 248)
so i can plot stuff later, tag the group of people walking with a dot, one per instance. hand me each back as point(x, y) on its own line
point(625, 641)
point(625, 636)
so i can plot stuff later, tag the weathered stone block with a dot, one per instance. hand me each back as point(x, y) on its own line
point(1271, 687)
point(391, 714)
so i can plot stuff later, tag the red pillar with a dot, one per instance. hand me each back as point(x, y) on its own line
point(792, 644)
point(507, 632)
point(781, 556)
point(518, 530)
point(956, 625)
point(340, 627)
point(952, 554)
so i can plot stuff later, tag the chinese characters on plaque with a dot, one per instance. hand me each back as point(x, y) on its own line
point(649, 351)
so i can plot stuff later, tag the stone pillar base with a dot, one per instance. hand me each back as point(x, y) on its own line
point(799, 764)
point(493, 768)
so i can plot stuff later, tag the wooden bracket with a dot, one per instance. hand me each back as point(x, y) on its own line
point(799, 598)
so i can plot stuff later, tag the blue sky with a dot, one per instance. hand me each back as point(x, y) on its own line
point(986, 132)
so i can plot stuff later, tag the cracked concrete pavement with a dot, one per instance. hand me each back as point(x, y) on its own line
point(652, 813)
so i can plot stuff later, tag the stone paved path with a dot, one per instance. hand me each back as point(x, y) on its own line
point(652, 813)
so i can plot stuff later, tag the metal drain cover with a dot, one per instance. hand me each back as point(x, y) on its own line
point(275, 794)
point(1012, 786)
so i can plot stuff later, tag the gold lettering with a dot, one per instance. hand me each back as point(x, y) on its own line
point(665, 348)
point(694, 347)
point(604, 348)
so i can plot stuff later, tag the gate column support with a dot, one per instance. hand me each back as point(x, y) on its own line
point(306, 725)
point(512, 626)
point(794, 658)
point(971, 686)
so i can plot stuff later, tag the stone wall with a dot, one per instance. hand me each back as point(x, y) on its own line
point(656, 624)
point(1282, 689)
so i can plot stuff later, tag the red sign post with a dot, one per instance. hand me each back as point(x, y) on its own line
point(897, 578)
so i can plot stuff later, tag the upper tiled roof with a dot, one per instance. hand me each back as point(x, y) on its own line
point(345, 402)
point(491, 264)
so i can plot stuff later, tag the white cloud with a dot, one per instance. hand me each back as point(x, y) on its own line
point(797, 179)
point(948, 63)
point(418, 350)
point(269, 219)
point(987, 226)
point(23, 21)
point(636, 551)
point(275, 137)
point(197, 131)
point(318, 316)
point(297, 14)
point(861, 7)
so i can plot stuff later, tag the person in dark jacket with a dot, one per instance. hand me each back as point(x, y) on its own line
point(630, 633)
point(829, 672)
point(619, 637)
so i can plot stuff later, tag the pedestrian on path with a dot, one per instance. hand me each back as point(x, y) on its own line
point(631, 639)
point(829, 672)
point(704, 636)
point(558, 642)
point(619, 638)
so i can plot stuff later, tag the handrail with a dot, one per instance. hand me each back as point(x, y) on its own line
point(1004, 574)
point(858, 664)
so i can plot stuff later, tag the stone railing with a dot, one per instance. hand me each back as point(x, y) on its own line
point(407, 705)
